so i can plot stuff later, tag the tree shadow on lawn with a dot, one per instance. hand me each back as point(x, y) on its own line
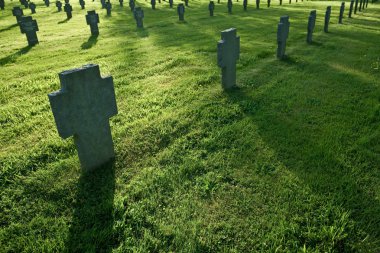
point(13, 57)
point(92, 224)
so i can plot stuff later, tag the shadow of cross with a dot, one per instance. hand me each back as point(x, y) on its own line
point(228, 54)
point(82, 108)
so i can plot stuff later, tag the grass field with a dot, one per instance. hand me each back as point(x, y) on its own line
point(288, 162)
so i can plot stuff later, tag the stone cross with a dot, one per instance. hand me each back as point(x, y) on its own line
point(30, 28)
point(18, 13)
point(121, 3)
point(268, 2)
point(341, 13)
point(32, 7)
point(67, 1)
point(171, 3)
point(351, 8)
point(132, 5)
point(245, 4)
point(68, 9)
point(211, 7)
point(82, 108)
point(181, 12)
point(229, 6)
point(228, 54)
point(366, 3)
point(108, 7)
point(25, 3)
point(153, 3)
point(327, 19)
point(103, 3)
point(2, 4)
point(58, 4)
point(138, 13)
point(187, 3)
point(82, 3)
point(47, 3)
point(356, 6)
point(282, 36)
point(311, 25)
point(257, 4)
point(92, 19)
point(360, 5)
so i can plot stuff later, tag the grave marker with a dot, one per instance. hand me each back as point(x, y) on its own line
point(187, 3)
point(68, 9)
point(30, 28)
point(103, 3)
point(268, 3)
point(351, 8)
point(121, 3)
point(211, 7)
point(181, 12)
point(356, 6)
point(25, 3)
point(311, 26)
point(18, 13)
point(32, 7)
point(153, 3)
point(92, 19)
point(171, 3)
point(108, 7)
point(229, 6)
point(138, 13)
point(132, 5)
point(280, 2)
point(82, 4)
point(245, 4)
point(82, 108)
point(341, 13)
point(47, 3)
point(327, 19)
point(282, 36)
point(2, 4)
point(58, 4)
point(257, 4)
point(360, 5)
point(228, 54)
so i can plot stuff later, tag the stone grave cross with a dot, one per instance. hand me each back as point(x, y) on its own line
point(58, 4)
point(181, 12)
point(282, 36)
point(82, 108)
point(311, 26)
point(228, 54)
point(138, 13)
point(327, 19)
point(211, 7)
point(92, 19)
point(30, 28)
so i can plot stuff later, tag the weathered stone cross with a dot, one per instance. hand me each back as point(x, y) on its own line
point(30, 28)
point(228, 54)
point(282, 36)
point(82, 108)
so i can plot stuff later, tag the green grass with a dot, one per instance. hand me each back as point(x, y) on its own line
point(288, 162)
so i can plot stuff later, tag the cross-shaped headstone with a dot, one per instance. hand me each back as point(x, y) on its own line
point(311, 25)
point(211, 7)
point(92, 19)
point(82, 108)
point(229, 6)
point(25, 3)
point(351, 8)
point(121, 3)
point(327, 19)
point(132, 5)
point(2, 4)
point(82, 4)
point(18, 13)
point(32, 7)
point(103, 3)
point(67, 1)
point(153, 3)
point(138, 13)
point(341, 13)
point(245, 4)
point(171, 3)
point(68, 9)
point(228, 54)
point(282, 36)
point(58, 4)
point(257, 4)
point(181, 12)
point(30, 28)
point(47, 3)
point(108, 8)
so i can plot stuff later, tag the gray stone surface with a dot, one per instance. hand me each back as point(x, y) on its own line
point(92, 19)
point(181, 12)
point(245, 4)
point(211, 7)
point(18, 13)
point(58, 4)
point(32, 7)
point(82, 108)
point(229, 6)
point(132, 5)
point(257, 4)
point(153, 3)
point(108, 7)
point(341, 13)
point(327, 19)
point(2, 4)
point(282, 35)
point(138, 13)
point(228, 54)
point(351, 8)
point(30, 28)
point(82, 4)
point(311, 26)
point(68, 9)
point(47, 3)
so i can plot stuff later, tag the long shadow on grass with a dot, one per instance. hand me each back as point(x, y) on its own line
point(13, 57)
point(91, 228)
point(92, 40)
point(8, 28)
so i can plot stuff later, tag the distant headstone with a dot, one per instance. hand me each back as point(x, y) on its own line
point(153, 3)
point(32, 7)
point(121, 3)
point(68, 9)
point(268, 3)
point(171, 3)
point(366, 3)
point(138, 13)
point(187, 3)
point(311, 25)
point(245, 4)
point(282, 36)
point(327, 19)
point(290, 1)
point(82, 4)
point(229, 6)
point(92, 19)
point(360, 5)
point(67, 1)
point(30, 28)
point(356, 6)
point(108, 8)
point(82, 108)
point(181, 12)
point(341, 13)
point(18, 13)
point(211, 7)
point(228, 54)
point(103, 3)
point(47, 3)
point(257, 4)
point(25, 3)
point(280, 2)
point(2, 4)
point(351, 8)
point(58, 4)
point(132, 5)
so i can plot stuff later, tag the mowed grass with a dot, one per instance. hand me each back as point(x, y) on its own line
point(288, 162)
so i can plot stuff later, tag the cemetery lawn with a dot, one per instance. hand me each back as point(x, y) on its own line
point(288, 162)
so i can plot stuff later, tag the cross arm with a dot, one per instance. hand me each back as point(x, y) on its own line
point(58, 103)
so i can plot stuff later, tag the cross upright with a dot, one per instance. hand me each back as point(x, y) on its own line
point(92, 19)
point(351, 8)
point(82, 108)
point(68, 9)
point(327, 19)
point(211, 7)
point(138, 13)
point(2, 4)
point(311, 26)
point(30, 28)
point(58, 4)
point(228, 54)
point(282, 36)
point(341, 12)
